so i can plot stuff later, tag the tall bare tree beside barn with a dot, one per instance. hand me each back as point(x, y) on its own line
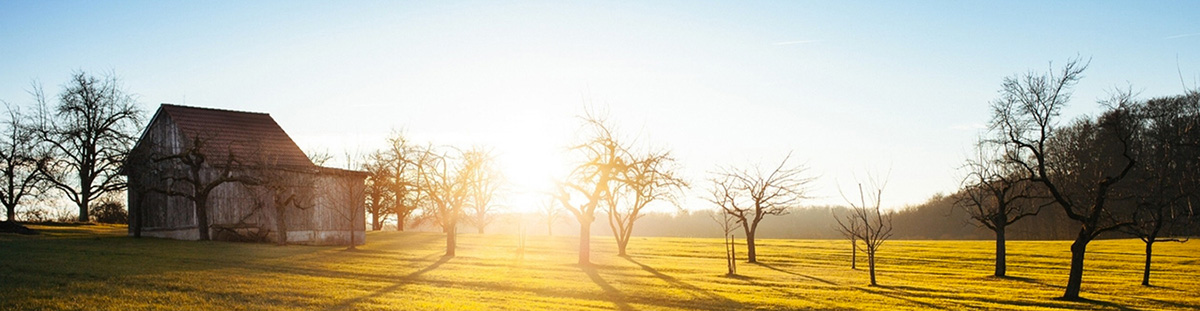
point(752, 194)
point(379, 199)
point(89, 132)
point(185, 176)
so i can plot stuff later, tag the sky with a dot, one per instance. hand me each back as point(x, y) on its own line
point(898, 90)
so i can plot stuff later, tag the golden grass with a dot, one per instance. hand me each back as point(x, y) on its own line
point(98, 268)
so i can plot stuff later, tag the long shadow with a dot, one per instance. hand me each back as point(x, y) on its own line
point(923, 304)
point(614, 296)
point(401, 282)
point(1027, 280)
point(1173, 304)
point(1108, 304)
point(827, 282)
point(695, 290)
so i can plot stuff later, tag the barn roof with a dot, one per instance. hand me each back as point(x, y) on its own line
point(248, 136)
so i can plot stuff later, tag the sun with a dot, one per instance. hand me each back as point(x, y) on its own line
point(531, 169)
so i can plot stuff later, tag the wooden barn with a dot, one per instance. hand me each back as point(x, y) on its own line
point(255, 181)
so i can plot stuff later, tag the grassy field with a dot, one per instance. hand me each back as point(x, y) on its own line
point(98, 268)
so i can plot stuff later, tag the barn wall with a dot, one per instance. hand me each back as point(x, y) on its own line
point(336, 206)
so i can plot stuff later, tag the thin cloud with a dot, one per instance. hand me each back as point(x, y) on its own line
point(1183, 35)
point(795, 42)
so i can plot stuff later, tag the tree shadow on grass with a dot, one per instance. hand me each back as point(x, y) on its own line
point(1096, 303)
point(695, 291)
point(897, 295)
point(615, 296)
point(827, 282)
point(1025, 280)
point(404, 280)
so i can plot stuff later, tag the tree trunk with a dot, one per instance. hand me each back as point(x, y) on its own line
point(585, 242)
point(1075, 278)
point(399, 223)
point(1149, 253)
point(621, 243)
point(550, 229)
point(1001, 252)
point(202, 215)
point(871, 265)
point(375, 225)
point(451, 241)
point(84, 202)
point(281, 226)
point(481, 229)
point(751, 256)
point(853, 254)
point(12, 213)
point(733, 253)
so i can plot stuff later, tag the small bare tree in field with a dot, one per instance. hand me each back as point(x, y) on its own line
point(749, 195)
point(601, 157)
point(486, 184)
point(728, 225)
point(995, 196)
point(646, 179)
point(550, 214)
point(873, 225)
point(850, 229)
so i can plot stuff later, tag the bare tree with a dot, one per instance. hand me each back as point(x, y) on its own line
point(646, 179)
point(21, 159)
point(347, 201)
point(289, 187)
point(89, 133)
point(486, 184)
point(752, 194)
point(600, 159)
point(405, 163)
point(1025, 118)
point(186, 175)
point(873, 225)
point(1167, 180)
point(446, 181)
point(728, 224)
point(379, 199)
point(550, 214)
point(850, 229)
point(995, 195)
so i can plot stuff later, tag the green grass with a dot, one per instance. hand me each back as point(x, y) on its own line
point(98, 268)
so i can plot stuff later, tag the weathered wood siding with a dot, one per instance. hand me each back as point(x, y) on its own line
point(335, 213)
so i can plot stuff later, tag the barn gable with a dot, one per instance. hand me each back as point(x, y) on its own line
point(238, 210)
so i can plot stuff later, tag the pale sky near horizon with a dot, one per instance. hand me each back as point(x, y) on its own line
point(847, 87)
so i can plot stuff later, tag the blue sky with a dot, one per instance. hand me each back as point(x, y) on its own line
point(848, 87)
